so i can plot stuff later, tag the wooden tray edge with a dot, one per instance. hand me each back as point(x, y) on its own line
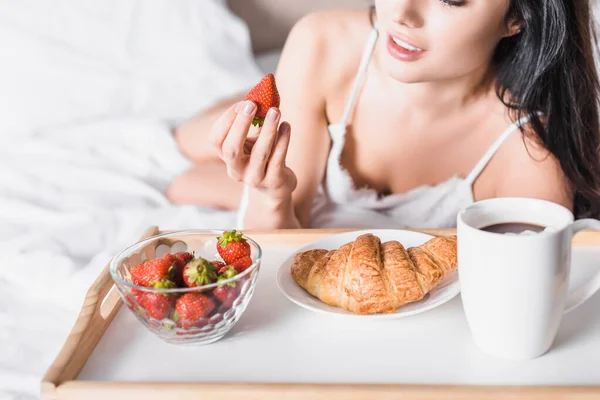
point(300, 237)
point(87, 331)
point(243, 391)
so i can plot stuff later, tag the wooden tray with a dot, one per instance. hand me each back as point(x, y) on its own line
point(102, 304)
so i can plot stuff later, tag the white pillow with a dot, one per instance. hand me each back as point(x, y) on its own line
point(64, 61)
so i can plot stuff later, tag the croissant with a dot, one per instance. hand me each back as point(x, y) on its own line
point(367, 277)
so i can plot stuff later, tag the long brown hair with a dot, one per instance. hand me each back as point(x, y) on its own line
point(550, 67)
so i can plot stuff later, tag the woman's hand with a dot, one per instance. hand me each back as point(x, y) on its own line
point(255, 156)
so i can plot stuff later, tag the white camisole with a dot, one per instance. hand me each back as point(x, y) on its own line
point(340, 204)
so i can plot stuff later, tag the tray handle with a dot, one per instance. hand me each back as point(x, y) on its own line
point(100, 306)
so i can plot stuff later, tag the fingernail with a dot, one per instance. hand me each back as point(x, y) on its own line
point(248, 108)
point(272, 114)
point(285, 128)
point(238, 106)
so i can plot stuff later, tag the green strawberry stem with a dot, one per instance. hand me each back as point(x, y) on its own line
point(163, 284)
point(258, 121)
point(230, 236)
point(201, 271)
point(230, 272)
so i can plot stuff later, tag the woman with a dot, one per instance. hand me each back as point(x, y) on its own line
point(447, 102)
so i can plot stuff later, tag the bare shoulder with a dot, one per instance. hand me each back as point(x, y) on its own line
point(530, 170)
point(334, 30)
point(327, 45)
point(313, 63)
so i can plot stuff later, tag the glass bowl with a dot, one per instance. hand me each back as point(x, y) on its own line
point(221, 312)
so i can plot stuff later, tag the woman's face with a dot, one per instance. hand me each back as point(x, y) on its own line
point(433, 40)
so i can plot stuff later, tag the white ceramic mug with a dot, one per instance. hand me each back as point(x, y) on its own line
point(514, 287)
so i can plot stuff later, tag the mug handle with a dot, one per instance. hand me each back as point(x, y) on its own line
point(579, 295)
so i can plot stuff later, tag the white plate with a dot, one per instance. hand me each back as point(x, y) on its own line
point(445, 291)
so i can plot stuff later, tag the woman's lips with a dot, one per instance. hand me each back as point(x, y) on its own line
point(402, 52)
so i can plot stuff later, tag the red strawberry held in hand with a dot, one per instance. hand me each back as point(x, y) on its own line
point(190, 307)
point(265, 95)
point(151, 271)
point(199, 272)
point(232, 246)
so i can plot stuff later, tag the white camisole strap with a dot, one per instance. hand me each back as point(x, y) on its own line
point(364, 62)
point(494, 148)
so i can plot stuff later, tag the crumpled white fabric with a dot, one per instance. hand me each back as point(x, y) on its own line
point(89, 94)
point(66, 61)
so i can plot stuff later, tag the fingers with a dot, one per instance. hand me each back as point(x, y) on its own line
point(221, 127)
point(254, 133)
point(262, 165)
point(277, 161)
point(233, 146)
point(278, 175)
point(261, 151)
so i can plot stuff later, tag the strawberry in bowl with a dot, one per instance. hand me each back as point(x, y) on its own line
point(235, 250)
point(196, 295)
